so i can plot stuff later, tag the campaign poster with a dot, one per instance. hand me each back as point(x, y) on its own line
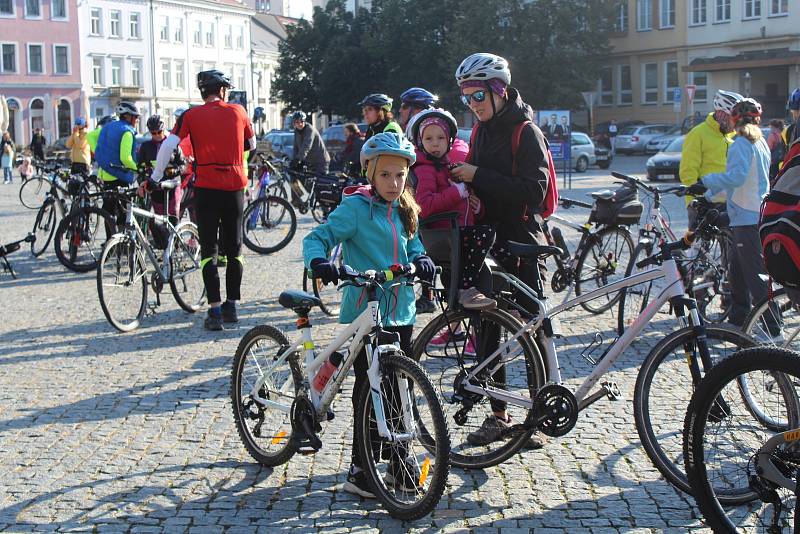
point(556, 125)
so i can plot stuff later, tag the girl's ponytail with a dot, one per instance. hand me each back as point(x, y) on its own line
point(409, 211)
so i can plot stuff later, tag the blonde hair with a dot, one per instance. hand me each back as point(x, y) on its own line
point(748, 128)
point(408, 207)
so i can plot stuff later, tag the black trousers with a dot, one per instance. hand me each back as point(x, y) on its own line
point(220, 210)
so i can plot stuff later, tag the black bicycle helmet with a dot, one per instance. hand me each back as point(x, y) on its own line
point(213, 79)
point(377, 100)
point(298, 116)
point(155, 124)
point(105, 120)
point(747, 109)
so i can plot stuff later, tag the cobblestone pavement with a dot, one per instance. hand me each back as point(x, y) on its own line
point(108, 432)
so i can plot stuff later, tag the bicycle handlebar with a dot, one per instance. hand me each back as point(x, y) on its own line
point(567, 203)
point(684, 243)
point(677, 190)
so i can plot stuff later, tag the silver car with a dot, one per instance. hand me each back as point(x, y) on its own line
point(582, 152)
point(657, 144)
point(634, 139)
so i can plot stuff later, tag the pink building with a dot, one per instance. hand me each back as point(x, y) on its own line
point(39, 66)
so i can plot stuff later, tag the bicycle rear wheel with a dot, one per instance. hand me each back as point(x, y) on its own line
point(33, 192)
point(634, 299)
point(408, 476)
point(601, 263)
point(444, 350)
point(775, 321)
point(269, 225)
point(122, 283)
point(80, 238)
point(186, 276)
point(43, 227)
point(720, 440)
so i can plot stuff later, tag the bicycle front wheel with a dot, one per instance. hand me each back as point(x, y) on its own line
point(634, 299)
point(43, 227)
point(775, 321)
point(408, 475)
point(601, 263)
point(269, 225)
point(721, 438)
point(33, 192)
point(80, 238)
point(122, 283)
point(664, 388)
point(456, 341)
point(329, 296)
point(186, 276)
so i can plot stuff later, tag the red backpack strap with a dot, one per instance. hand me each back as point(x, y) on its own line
point(473, 134)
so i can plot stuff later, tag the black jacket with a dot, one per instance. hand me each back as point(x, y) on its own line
point(508, 197)
point(309, 148)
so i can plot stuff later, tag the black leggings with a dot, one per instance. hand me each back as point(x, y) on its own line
point(220, 209)
point(360, 367)
point(475, 244)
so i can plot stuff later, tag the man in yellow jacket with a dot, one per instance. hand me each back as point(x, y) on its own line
point(705, 149)
point(80, 153)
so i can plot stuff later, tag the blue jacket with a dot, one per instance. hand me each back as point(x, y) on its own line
point(746, 180)
point(373, 237)
point(108, 153)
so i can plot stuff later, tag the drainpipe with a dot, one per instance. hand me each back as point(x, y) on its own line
point(153, 58)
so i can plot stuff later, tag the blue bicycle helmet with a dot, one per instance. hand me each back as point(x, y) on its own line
point(418, 97)
point(377, 100)
point(794, 100)
point(387, 144)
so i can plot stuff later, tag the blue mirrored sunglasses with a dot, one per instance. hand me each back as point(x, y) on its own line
point(477, 96)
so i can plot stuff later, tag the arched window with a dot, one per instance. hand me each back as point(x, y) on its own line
point(64, 117)
point(37, 114)
point(14, 121)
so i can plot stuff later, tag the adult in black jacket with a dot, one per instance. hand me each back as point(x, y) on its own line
point(308, 145)
point(38, 143)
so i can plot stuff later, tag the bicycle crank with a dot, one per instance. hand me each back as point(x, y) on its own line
point(304, 426)
point(556, 409)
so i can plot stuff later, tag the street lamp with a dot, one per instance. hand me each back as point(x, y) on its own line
point(747, 82)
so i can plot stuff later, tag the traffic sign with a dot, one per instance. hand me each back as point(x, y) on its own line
point(690, 90)
point(676, 99)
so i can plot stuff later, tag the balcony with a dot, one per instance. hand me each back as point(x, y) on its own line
point(123, 91)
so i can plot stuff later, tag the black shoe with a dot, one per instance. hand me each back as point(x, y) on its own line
point(357, 484)
point(404, 475)
point(213, 320)
point(425, 305)
point(229, 314)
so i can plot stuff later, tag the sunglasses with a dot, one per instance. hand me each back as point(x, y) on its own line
point(477, 96)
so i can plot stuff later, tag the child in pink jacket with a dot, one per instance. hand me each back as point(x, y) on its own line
point(434, 134)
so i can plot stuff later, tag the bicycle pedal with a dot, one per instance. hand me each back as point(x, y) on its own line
point(612, 391)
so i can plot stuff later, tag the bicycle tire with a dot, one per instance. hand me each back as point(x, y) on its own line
point(33, 192)
point(616, 236)
point(181, 266)
point(128, 253)
point(669, 462)
point(256, 215)
point(44, 227)
point(706, 296)
point(753, 325)
point(776, 361)
point(439, 468)
point(535, 376)
point(77, 228)
point(285, 451)
point(635, 298)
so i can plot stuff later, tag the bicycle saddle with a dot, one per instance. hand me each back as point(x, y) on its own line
point(533, 251)
point(606, 194)
point(294, 299)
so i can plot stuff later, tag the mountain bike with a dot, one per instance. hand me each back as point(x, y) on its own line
point(281, 391)
point(729, 451)
point(123, 276)
point(704, 268)
point(33, 191)
point(55, 206)
point(515, 367)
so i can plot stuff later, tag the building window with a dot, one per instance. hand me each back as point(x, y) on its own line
point(9, 57)
point(64, 115)
point(135, 26)
point(625, 87)
point(58, 9)
point(7, 8)
point(164, 32)
point(605, 86)
point(37, 113)
point(722, 11)
point(179, 30)
point(700, 81)
point(197, 67)
point(180, 75)
point(210, 35)
point(96, 22)
point(778, 8)
point(644, 15)
point(97, 71)
point(116, 23)
point(33, 9)
point(228, 36)
point(198, 32)
point(699, 12)
point(667, 14)
point(752, 9)
point(166, 73)
point(650, 83)
point(61, 59)
point(621, 23)
point(35, 59)
point(116, 71)
point(670, 80)
point(240, 81)
point(240, 39)
point(136, 72)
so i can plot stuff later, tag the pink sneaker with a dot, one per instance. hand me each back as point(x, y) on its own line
point(469, 350)
point(444, 339)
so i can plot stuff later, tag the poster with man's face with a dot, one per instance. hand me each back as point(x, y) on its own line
point(555, 124)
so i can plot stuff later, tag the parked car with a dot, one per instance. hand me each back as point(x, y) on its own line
point(600, 136)
point(281, 143)
point(334, 137)
point(659, 143)
point(603, 156)
point(665, 164)
point(634, 139)
point(582, 152)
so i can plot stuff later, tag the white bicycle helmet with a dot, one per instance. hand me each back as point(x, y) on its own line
point(412, 128)
point(482, 67)
point(387, 143)
point(127, 107)
point(725, 100)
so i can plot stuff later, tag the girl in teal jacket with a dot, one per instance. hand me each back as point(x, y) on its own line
point(377, 226)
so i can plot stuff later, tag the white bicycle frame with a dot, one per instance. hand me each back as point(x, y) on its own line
point(358, 330)
point(674, 288)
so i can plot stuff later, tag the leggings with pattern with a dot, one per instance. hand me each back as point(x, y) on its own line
point(475, 244)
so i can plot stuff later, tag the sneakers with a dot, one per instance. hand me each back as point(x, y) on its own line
point(472, 299)
point(444, 339)
point(493, 429)
point(425, 305)
point(404, 476)
point(229, 314)
point(213, 320)
point(357, 483)
point(469, 350)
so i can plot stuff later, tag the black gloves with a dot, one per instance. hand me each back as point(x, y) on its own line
point(696, 189)
point(325, 271)
point(426, 269)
